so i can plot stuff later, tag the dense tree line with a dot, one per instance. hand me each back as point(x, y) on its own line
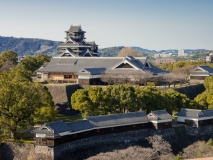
point(206, 98)
point(183, 64)
point(127, 98)
point(23, 102)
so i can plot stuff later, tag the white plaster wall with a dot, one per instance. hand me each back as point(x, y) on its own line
point(161, 121)
point(89, 76)
point(182, 119)
point(40, 135)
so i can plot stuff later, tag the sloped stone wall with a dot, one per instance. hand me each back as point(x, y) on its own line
point(62, 97)
point(20, 151)
point(191, 91)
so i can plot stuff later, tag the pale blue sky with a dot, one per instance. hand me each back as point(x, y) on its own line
point(150, 24)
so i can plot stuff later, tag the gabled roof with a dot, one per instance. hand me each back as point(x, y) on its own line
point(59, 64)
point(207, 69)
point(80, 125)
point(159, 115)
point(208, 113)
point(118, 119)
point(132, 62)
point(58, 127)
point(195, 113)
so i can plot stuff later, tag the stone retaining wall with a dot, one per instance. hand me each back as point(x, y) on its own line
point(179, 137)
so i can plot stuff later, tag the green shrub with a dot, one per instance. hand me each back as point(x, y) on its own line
point(210, 142)
point(178, 157)
point(150, 84)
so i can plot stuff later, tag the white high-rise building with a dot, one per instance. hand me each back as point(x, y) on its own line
point(209, 58)
point(181, 53)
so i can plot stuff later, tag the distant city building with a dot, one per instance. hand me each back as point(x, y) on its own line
point(75, 44)
point(157, 55)
point(209, 58)
point(165, 60)
point(164, 55)
point(181, 53)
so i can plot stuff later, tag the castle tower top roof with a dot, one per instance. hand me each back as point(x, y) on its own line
point(74, 29)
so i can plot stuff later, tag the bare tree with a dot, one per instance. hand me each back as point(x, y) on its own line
point(107, 78)
point(128, 52)
point(171, 78)
point(184, 72)
point(141, 78)
point(115, 78)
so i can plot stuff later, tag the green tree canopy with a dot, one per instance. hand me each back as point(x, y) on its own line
point(127, 98)
point(32, 63)
point(205, 99)
point(8, 56)
point(177, 100)
point(22, 103)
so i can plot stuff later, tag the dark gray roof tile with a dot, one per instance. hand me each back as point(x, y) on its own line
point(57, 127)
point(207, 68)
point(75, 64)
point(159, 115)
point(118, 119)
point(192, 113)
point(80, 125)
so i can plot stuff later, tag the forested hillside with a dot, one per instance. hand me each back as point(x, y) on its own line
point(33, 46)
point(28, 46)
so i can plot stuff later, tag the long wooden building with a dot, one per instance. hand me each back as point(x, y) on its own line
point(90, 70)
point(56, 133)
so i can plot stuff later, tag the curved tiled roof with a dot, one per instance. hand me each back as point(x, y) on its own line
point(118, 119)
point(80, 126)
point(75, 64)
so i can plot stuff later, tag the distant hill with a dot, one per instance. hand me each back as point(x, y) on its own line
point(142, 50)
point(33, 46)
point(28, 46)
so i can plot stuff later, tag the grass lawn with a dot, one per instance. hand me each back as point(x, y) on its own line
point(69, 118)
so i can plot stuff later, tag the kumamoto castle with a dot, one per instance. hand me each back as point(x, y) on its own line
point(78, 62)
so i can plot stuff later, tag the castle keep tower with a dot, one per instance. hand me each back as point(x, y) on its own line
point(75, 44)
